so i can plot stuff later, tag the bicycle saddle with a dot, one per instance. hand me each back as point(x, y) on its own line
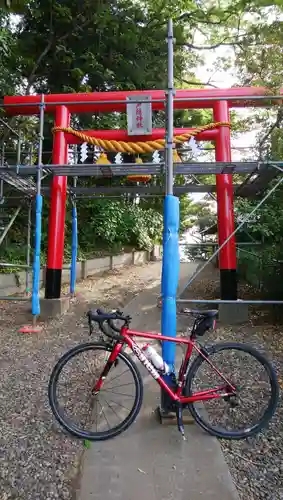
point(212, 313)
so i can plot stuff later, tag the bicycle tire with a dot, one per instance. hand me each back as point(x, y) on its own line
point(268, 413)
point(73, 429)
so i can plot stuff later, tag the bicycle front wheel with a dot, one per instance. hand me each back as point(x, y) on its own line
point(90, 416)
point(252, 406)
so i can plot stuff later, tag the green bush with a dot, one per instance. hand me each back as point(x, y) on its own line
point(104, 227)
point(263, 270)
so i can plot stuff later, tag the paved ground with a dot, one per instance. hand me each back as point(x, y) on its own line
point(150, 461)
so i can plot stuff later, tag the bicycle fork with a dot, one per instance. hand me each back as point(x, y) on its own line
point(112, 360)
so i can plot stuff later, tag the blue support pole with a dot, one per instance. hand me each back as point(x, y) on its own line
point(35, 299)
point(170, 276)
point(74, 250)
point(35, 302)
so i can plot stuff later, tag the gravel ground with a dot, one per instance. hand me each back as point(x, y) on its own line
point(38, 461)
point(256, 464)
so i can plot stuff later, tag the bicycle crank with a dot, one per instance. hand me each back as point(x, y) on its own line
point(232, 399)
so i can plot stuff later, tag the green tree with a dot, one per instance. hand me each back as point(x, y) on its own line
point(91, 45)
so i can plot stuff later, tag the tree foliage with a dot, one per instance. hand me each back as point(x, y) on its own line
point(90, 46)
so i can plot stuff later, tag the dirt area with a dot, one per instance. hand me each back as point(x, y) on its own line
point(37, 460)
point(256, 464)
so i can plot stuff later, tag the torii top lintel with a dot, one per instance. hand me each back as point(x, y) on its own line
point(116, 101)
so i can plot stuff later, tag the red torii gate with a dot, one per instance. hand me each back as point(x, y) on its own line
point(62, 105)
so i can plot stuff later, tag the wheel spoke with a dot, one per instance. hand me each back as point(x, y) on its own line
point(121, 385)
point(111, 408)
point(119, 393)
point(253, 404)
point(114, 378)
point(104, 414)
point(119, 404)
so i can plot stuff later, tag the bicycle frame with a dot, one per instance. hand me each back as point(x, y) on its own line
point(218, 392)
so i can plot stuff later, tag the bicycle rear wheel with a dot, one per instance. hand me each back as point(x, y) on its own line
point(251, 408)
point(100, 416)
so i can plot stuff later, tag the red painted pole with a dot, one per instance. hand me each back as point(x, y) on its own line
point(56, 225)
point(101, 101)
point(225, 207)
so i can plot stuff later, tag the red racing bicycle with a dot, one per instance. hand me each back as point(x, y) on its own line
point(96, 389)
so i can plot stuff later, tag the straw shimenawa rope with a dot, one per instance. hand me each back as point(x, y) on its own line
point(137, 147)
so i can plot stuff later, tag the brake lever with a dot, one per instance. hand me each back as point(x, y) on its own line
point(117, 311)
point(91, 326)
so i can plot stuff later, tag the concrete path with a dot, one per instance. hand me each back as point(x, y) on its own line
point(151, 461)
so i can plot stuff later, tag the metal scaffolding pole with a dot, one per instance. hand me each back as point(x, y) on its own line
point(17, 266)
point(13, 131)
point(28, 248)
point(178, 190)
point(73, 267)
point(2, 161)
point(230, 98)
point(219, 301)
point(197, 168)
point(14, 299)
point(170, 112)
point(19, 145)
point(215, 244)
point(235, 98)
point(9, 225)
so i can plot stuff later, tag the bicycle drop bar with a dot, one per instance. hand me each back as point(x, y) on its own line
point(118, 316)
point(112, 324)
point(100, 317)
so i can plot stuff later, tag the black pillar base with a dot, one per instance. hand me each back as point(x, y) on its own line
point(53, 283)
point(167, 404)
point(228, 284)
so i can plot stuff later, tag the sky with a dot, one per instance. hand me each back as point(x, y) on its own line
point(225, 79)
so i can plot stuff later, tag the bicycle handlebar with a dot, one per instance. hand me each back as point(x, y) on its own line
point(113, 326)
point(101, 317)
